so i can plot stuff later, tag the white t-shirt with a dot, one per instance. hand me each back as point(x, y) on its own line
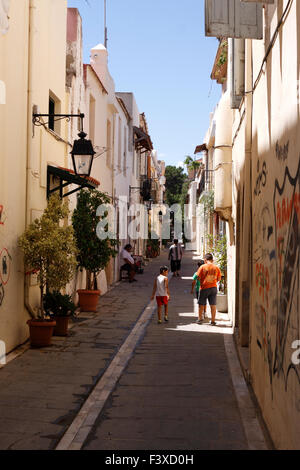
point(127, 256)
point(175, 252)
point(161, 290)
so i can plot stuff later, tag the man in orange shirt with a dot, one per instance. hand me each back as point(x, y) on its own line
point(208, 274)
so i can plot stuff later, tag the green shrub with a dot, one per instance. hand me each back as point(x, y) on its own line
point(58, 304)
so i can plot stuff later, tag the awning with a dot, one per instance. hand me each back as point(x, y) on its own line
point(142, 140)
point(200, 148)
point(67, 177)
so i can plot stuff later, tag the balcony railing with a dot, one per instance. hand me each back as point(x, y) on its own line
point(206, 182)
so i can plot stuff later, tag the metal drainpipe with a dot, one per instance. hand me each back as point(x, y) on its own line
point(32, 9)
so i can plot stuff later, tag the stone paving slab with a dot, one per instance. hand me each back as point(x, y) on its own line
point(42, 390)
point(176, 390)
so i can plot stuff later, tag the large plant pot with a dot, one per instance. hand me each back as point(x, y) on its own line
point(40, 332)
point(61, 327)
point(222, 304)
point(88, 300)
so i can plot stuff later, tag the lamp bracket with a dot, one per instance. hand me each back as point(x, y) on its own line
point(38, 121)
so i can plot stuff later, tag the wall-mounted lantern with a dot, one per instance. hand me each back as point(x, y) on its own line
point(82, 158)
point(82, 155)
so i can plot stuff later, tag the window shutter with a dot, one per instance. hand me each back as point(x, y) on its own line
point(257, 1)
point(219, 18)
point(233, 19)
point(237, 72)
point(248, 20)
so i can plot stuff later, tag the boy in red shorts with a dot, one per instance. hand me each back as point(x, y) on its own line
point(161, 288)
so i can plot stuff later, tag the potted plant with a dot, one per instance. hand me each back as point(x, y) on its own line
point(152, 246)
point(60, 308)
point(218, 246)
point(94, 253)
point(49, 250)
point(221, 260)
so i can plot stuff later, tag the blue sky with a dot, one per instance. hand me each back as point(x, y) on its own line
point(158, 50)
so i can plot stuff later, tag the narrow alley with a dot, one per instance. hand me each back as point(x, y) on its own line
point(178, 385)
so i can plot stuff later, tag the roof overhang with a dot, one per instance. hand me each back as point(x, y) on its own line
point(200, 148)
point(67, 177)
point(142, 140)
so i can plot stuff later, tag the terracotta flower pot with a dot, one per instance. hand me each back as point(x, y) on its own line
point(88, 300)
point(40, 332)
point(61, 327)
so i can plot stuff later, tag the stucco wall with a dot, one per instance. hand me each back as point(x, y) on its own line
point(32, 62)
point(47, 76)
point(275, 312)
point(13, 138)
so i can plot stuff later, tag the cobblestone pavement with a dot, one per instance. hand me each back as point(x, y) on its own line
point(175, 393)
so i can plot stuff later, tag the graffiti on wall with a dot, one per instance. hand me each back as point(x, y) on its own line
point(265, 279)
point(5, 262)
point(282, 151)
point(261, 178)
point(287, 235)
point(1, 215)
point(276, 268)
point(5, 269)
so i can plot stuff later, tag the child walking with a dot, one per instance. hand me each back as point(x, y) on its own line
point(161, 288)
point(196, 282)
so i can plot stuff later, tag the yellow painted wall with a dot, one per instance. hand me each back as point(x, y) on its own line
point(13, 138)
point(30, 66)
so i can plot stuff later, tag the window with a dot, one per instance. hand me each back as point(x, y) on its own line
point(92, 113)
point(120, 144)
point(54, 108)
point(125, 151)
point(237, 71)
point(108, 144)
point(51, 112)
point(138, 159)
point(133, 161)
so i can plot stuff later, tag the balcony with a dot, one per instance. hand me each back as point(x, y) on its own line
point(206, 182)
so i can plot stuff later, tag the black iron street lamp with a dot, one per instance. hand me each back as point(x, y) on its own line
point(82, 152)
point(82, 155)
point(82, 158)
